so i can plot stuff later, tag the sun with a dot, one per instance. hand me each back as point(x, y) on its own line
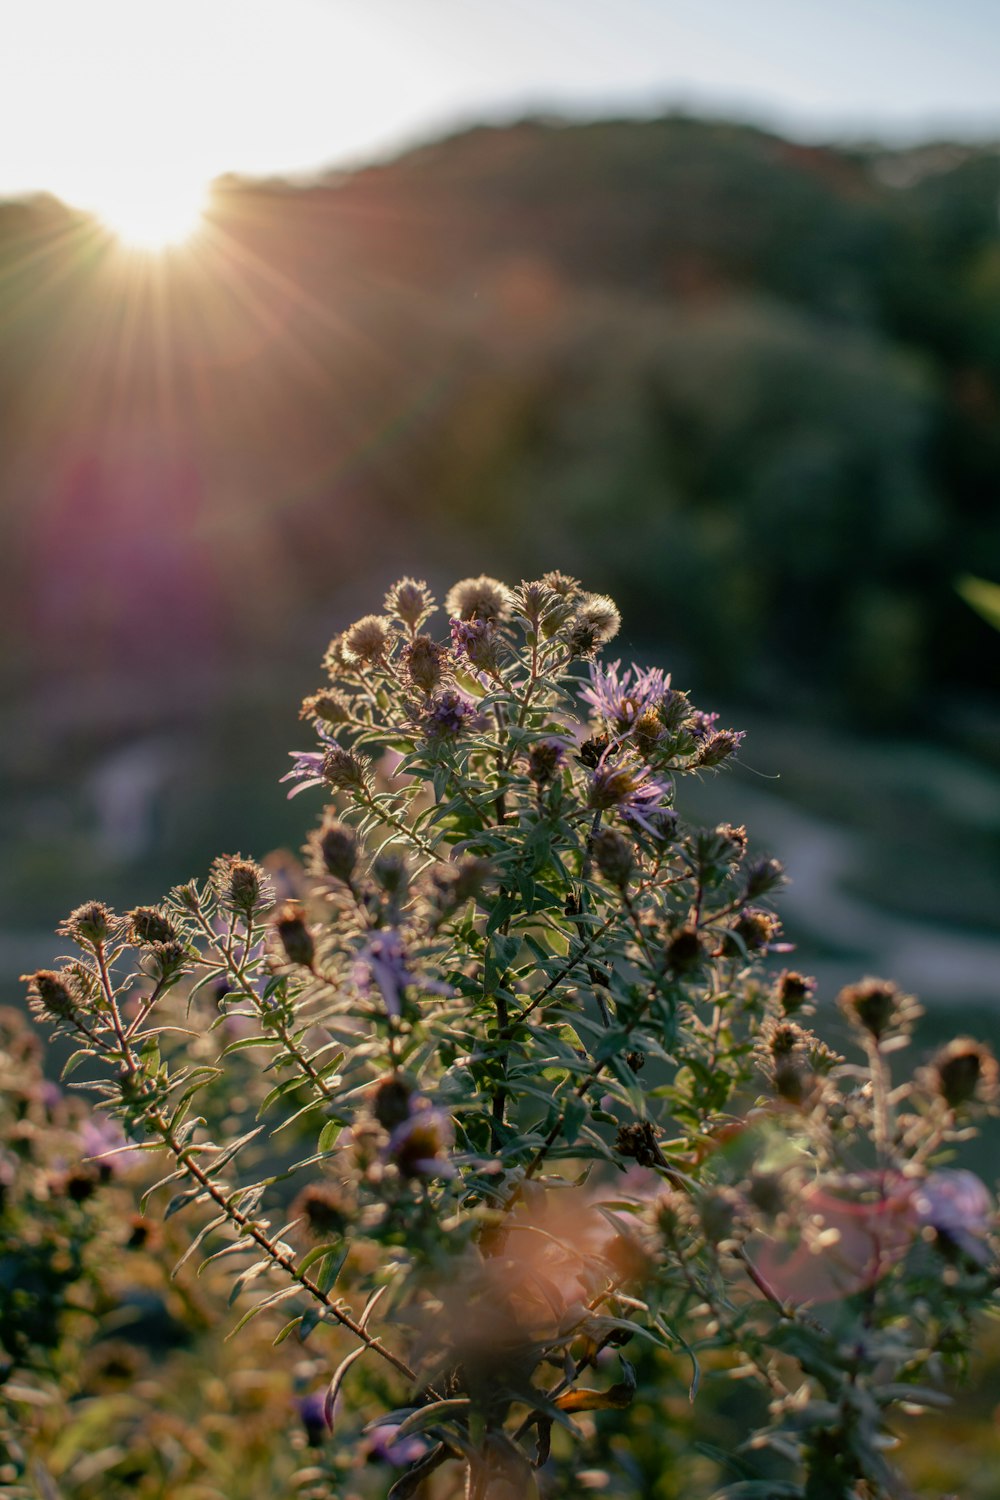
point(150, 216)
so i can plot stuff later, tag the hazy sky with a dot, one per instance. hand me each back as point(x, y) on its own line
point(99, 96)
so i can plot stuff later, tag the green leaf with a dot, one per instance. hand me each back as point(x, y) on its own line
point(318, 1253)
point(432, 1415)
point(982, 596)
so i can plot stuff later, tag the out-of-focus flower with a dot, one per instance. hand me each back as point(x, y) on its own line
point(383, 1446)
point(103, 1141)
point(957, 1206)
point(418, 1145)
point(383, 961)
point(852, 1230)
point(312, 1414)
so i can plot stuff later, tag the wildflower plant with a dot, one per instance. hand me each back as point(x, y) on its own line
point(504, 1082)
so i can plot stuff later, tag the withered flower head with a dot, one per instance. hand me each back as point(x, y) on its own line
point(391, 872)
point(718, 746)
point(148, 924)
point(90, 924)
point(756, 928)
point(481, 598)
point(366, 641)
point(879, 1007)
point(545, 759)
point(241, 884)
point(685, 951)
point(328, 706)
point(389, 1100)
point(638, 1141)
point(793, 991)
point(423, 661)
point(410, 601)
point(342, 769)
point(460, 880)
point(53, 996)
point(763, 875)
point(322, 1207)
point(963, 1072)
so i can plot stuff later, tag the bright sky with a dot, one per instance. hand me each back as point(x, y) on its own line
point(103, 101)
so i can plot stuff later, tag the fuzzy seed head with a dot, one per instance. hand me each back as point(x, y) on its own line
point(148, 924)
point(424, 661)
point(327, 706)
point(410, 602)
point(366, 641)
point(963, 1072)
point(878, 1006)
point(90, 924)
point(481, 598)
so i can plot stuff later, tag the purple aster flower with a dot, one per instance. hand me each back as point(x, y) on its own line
point(450, 714)
point(629, 788)
point(103, 1140)
point(621, 697)
point(477, 640)
point(701, 725)
point(384, 1448)
point(307, 770)
point(312, 1411)
point(957, 1205)
point(383, 962)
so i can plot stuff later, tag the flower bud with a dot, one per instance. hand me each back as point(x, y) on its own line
point(337, 848)
point(294, 935)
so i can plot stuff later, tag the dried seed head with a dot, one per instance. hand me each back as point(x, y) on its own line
point(735, 838)
point(389, 1100)
point(294, 934)
point(763, 875)
point(793, 991)
point(424, 660)
point(390, 871)
point(636, 1060)
point(756, 929)
point(323, 1208)
point(241, 884)
point(328, 706)
point(148, 924)
point(964, 1071)
point(545, 759)
point(410, 601)
point(366, 641)
point(53, 996)
point(879, 1007)
point(343, 770)
point(165, 962)
point(685, 951)
point(718, 746)
point(638, 1141)
point(481, 598)
point(90, 924)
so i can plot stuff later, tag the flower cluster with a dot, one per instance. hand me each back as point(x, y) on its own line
point(532, 1088)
